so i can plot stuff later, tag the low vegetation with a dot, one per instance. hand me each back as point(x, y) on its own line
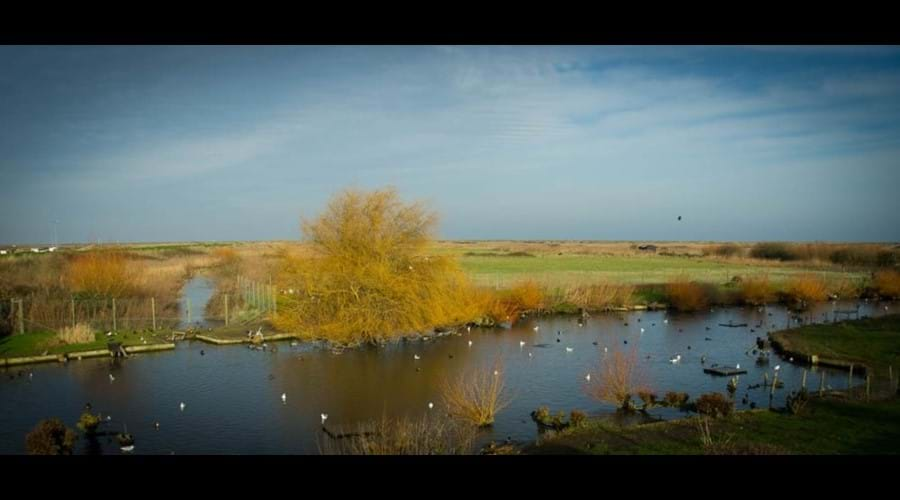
point(404, 436)
point(477, 397)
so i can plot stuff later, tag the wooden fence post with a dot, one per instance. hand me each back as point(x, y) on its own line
point(153, 311)
point(189, 311)
point(114, 313)
point(850, 381)
point(803, 383)
point(822, 383)
point(21, 319)
point(226, 309)
point(274, 301)
point(72, 307)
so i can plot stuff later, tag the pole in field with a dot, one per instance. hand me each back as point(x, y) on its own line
point(153, 311)
point(226, 310)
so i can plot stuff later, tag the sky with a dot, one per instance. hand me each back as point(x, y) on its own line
point(191, 143)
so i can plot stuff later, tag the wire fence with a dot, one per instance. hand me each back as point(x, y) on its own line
point(251, 301)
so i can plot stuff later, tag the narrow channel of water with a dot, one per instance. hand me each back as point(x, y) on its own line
point(232, 394)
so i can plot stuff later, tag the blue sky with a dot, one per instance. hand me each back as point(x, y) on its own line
point(155, 143)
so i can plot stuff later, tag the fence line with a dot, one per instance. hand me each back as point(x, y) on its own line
point(250, 302)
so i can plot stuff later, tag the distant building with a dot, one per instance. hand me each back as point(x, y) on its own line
point(647, 248)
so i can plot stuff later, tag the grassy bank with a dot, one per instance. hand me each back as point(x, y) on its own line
point(36, 343)
point(874, 342)
point(827, 427)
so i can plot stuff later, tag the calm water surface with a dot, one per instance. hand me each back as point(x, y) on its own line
point(233, 394)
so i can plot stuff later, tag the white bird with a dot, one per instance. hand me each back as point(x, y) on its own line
point(109, 334)
point(536, 328)
point(470, 343)
point(666, 321)
point(673, 360)
point(324, 418)
point(416, 357)
point(284, 397)
point(777, 367)
point(642, 330)
point(588, 377)
point(430, 405)
point(111, 378)
point(529, 354)
point(605, 349)
point(738, 366)
point(496, 372)
point(468, 328)
point(109, 418)
point(569, 349)
point(791, 360)
point(521, 344)
point(182, 405)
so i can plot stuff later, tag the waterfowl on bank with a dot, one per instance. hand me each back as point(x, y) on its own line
point(430, 405)
point(470, 343)
point(182, 405)
point(156, 425)
point(284, 397)
point(324, 418)
point(496, 372)
point(588, 377)
point(536, 328)
point(111, 378)
point(416, 357)
point(521, 344)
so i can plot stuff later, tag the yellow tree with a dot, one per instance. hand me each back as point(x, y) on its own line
point(370, 277)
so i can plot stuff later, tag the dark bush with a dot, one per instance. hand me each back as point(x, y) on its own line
point(576, 418)
point(772, 251)
point(714, 405)
point(50, 437)
point(676, 399)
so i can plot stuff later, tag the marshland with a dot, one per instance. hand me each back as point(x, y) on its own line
point(449, 250)
point(515, 341)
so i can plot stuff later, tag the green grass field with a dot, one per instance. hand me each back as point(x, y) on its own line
point(561, 270)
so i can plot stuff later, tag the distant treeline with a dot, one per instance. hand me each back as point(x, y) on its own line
point(872, 255)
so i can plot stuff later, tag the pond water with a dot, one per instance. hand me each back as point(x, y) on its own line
point(194, 296)
point(232, 394)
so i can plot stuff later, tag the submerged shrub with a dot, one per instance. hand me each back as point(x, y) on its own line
point(88, 423)
point(50, 437)
point(620, 378)
point(576, 418)
point(476, 398)
point(714, 405)
point(403, 436)
point(676, 399)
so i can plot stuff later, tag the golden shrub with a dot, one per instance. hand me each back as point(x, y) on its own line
point(104, 273)
point(686, 295)
point(370, 278)
point(887, 283)
point(756, 291)
point(806, 288)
